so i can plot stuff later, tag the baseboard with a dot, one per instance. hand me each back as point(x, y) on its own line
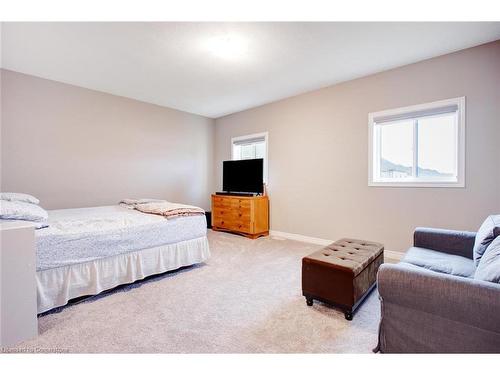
point(395, 255)
point(300, 238)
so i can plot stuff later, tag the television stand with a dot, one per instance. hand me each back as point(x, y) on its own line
point(236, 194)
point(245, 215)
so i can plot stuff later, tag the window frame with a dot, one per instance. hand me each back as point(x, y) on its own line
point(249, 137)
point(420, 182)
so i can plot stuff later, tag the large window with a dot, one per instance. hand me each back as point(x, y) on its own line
point(422, 145)
point(253, 146)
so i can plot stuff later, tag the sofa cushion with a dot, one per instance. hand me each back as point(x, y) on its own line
point(439, 262)
point(489, 265)
point(488, 231)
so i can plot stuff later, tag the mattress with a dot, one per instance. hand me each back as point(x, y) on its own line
point(87, 234)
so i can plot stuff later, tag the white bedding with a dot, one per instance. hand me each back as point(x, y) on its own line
point(85, 251)
point(87, 234)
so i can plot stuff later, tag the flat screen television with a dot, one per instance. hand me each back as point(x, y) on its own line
point(243, 176)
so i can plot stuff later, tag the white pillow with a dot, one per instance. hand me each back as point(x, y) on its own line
point(16, 210)
point(20, 197)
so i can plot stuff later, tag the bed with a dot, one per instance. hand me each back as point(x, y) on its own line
point(85, 251)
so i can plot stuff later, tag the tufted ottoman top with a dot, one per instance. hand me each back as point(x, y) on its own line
point(348, 254)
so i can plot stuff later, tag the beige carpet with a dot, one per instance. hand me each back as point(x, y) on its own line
point(245, 299)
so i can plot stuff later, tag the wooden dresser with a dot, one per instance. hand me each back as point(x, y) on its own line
point(248, 216)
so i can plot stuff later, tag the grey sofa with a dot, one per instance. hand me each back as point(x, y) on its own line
point(431, 301)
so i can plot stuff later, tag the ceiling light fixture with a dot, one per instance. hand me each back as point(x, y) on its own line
point(227, 46)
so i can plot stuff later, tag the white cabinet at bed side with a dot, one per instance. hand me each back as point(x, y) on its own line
point(18, 299)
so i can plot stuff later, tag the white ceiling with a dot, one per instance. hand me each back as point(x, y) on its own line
point(170, 64)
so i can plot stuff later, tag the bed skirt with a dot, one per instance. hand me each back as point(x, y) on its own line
point(57, 286)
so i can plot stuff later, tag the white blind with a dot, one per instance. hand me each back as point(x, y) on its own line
point(249, 141)
point(415, 114)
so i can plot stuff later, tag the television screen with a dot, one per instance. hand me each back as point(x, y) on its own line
point(243, 176)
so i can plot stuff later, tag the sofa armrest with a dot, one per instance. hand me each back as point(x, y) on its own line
point(447, 241)
point(468, 301)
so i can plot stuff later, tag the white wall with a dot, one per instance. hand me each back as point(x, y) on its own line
point(318, 152)
point(73, 147)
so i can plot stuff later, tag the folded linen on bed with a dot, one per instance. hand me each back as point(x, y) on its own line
point(134, 201)
point(163, 208)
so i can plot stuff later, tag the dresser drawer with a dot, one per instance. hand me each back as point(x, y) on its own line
point(232, 224)
point(221, 200)
point(231, 213)
point(243, 206)
point(241, 214)
point(229, 199)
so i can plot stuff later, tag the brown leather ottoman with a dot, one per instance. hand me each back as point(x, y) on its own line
point(342, 274)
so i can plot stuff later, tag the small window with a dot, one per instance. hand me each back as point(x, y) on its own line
point(253, 146)
point(422, 145)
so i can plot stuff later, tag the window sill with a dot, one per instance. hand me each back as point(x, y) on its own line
point(418, 184)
